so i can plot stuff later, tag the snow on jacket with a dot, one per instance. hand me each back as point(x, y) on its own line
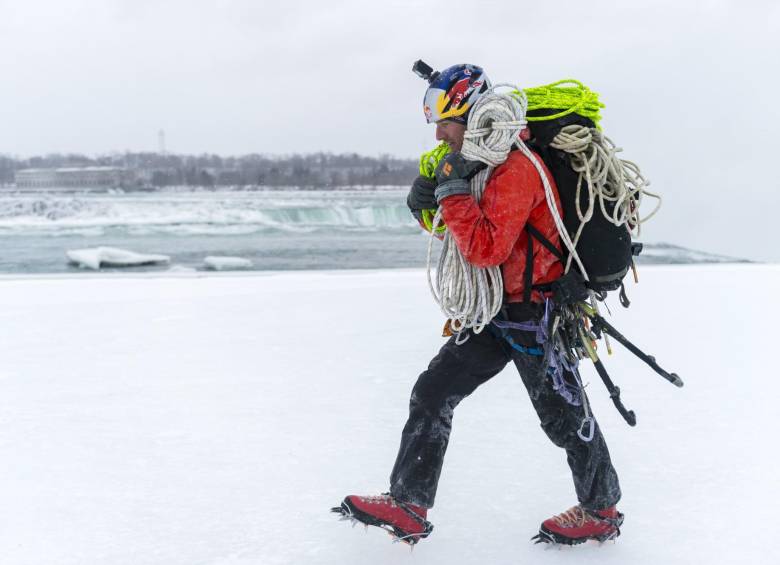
point(492, 232)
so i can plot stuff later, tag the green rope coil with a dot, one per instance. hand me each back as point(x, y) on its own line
point(427, 218)
point(569, 96)
point(429, 160)
point(428, 163)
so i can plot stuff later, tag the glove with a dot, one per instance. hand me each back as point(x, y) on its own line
point(421, 196)
point(454, 174)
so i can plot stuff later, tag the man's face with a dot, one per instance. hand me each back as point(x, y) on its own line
point(451, 133)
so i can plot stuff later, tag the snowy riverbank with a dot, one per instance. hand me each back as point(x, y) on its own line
point(186, 419)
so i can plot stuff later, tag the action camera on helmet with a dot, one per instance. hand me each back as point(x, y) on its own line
point(424, 70)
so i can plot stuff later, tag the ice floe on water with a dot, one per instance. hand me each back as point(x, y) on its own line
point(98, 257)
point(227, 263)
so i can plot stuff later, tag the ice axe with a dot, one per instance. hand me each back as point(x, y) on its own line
point(600, 325)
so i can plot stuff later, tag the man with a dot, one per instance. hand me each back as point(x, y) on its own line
point(488, 233)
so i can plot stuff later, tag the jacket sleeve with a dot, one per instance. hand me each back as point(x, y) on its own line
point(486, 232)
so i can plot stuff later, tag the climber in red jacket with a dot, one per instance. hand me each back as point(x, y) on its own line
point(493, 231)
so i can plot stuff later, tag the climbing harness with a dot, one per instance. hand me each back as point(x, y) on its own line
point(558, 361)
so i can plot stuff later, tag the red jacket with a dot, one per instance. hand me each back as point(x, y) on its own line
point(492, 232)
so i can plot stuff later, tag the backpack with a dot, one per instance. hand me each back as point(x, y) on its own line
point(605, 249)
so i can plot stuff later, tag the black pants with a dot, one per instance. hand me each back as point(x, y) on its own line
point(454, 374)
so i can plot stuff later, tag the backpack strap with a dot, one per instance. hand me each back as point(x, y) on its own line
point(534, 233)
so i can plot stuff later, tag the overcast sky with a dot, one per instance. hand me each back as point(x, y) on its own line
point(691, 88)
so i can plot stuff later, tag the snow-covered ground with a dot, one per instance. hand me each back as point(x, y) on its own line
point(188, 419)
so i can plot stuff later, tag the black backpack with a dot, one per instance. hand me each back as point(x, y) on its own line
point(606, 250)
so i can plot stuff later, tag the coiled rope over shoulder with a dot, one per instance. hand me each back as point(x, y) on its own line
point(472, 296)
point(567, 96)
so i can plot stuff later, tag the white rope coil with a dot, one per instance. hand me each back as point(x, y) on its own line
point(472, 296)
point(610, 181)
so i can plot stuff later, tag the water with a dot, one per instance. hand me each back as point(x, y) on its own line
point(276, 230)
point(273, 229)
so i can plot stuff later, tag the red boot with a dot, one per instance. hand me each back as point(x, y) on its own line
point(578, 525)
point(405, 521)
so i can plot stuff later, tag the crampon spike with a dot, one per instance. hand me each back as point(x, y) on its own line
point(542, 537)
point(343, 510)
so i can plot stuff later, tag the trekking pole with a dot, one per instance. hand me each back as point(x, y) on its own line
point(601, 324)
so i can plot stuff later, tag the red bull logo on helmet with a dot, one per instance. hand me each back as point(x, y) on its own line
point(458, 92)
point(453, 92)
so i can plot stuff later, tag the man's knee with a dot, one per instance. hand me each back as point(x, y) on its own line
point(433, 402)
point(560, 427)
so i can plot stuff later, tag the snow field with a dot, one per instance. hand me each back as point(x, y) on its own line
point(189, 419)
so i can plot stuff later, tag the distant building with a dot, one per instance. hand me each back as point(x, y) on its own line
point(75, 178)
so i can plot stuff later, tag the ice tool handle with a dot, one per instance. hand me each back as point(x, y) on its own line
point(614, 394)
point(600, 324)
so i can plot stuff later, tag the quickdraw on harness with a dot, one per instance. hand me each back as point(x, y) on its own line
point(567, 334)
point(577, 326)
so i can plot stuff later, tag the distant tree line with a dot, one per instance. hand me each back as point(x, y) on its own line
point(317, 170)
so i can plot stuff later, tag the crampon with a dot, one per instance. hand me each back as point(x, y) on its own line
point(578, 525)
point(404, 522)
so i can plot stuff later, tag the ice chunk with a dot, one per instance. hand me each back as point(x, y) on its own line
point(98, 257)
point(227, 263)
